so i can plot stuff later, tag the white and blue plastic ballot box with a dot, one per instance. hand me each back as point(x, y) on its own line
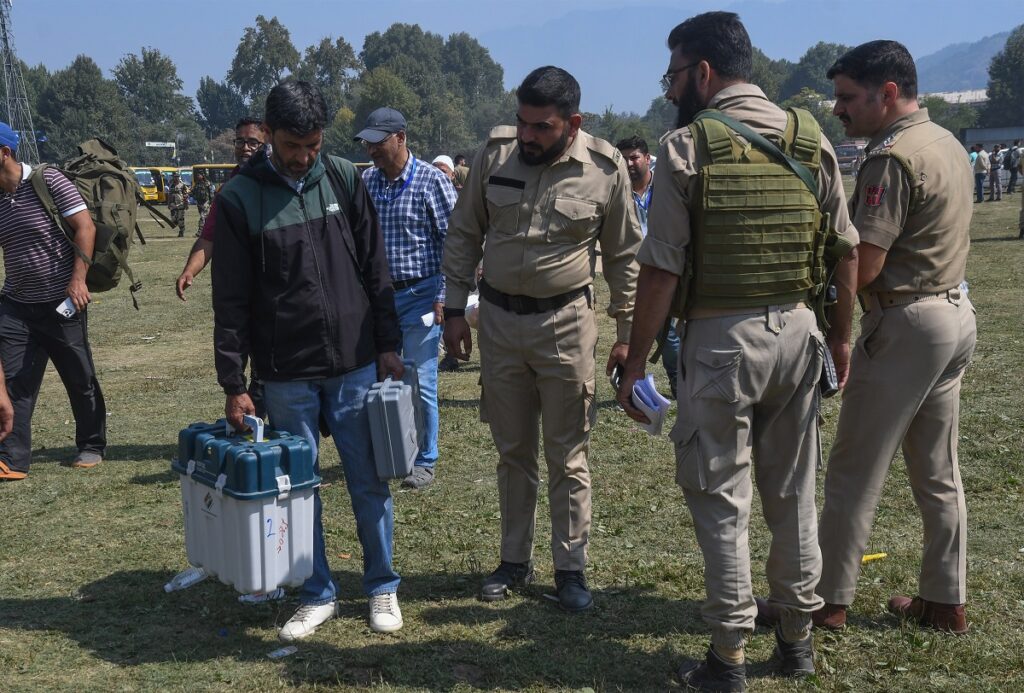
point(248, 504)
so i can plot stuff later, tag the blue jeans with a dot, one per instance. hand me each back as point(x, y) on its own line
point(670, 354)
point(979, 187)
point(420, 344)
point(295, 407)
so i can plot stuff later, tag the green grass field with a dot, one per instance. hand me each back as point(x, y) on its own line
point(85, 554)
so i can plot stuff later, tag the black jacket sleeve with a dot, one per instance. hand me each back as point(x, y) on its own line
point(369, 242)
point(232, 295)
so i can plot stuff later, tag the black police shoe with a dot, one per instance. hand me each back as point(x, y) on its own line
point(573, 593)
point(508, 576)
point(714, 674)
point(793, 659)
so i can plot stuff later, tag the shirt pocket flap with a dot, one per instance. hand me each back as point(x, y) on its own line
point(575, 210)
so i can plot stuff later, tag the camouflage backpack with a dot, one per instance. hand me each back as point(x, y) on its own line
point(113, 196)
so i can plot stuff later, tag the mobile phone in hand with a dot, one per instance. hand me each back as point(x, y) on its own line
point(67, 308)
point(616, 376)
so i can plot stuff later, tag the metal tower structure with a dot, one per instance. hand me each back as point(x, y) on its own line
point(15, 103)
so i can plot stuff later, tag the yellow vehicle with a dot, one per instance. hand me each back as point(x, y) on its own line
point(186, 175)
point(215, 173)
point(162, 179)
point(162, 175)
point(145, 178)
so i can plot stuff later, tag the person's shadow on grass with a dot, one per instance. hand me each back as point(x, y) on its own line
point(525, 641)
point(126, 619)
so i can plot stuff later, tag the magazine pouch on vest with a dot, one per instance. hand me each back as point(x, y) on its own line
point(112, 195)
point(756, 224)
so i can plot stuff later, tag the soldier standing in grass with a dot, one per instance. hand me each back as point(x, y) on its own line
point(742, 229)
point(917, 336)
point(177, 202)
point(202, 191)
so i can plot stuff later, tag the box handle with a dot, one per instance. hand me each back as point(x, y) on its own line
point(253, 422)
point(284, 486)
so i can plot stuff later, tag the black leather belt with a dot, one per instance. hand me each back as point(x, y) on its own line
point(406, 283)
point(528, 305)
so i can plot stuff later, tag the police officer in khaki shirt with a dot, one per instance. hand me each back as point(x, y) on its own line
point(542, 194)
point(912, 209)
point(748, 376)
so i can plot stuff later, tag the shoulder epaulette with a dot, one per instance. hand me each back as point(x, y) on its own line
point(502, 132)
point(604, 148)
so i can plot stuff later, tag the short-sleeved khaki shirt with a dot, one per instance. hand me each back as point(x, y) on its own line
point(542, 223)
point(927, 245)
point(675, 179)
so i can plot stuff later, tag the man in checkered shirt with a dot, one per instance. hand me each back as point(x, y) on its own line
point(414, 201)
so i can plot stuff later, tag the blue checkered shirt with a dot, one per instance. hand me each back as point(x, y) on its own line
point(414, 218)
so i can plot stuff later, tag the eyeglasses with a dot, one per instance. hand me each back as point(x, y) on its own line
point(247, 142)
point(669, 77)
point(368, 144)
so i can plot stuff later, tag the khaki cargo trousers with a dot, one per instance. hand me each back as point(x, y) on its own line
point(748, 394)
point(539, 369)
point(904, 389)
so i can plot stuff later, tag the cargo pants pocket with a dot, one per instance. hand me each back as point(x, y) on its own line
point(717, 374)
point(690, 469)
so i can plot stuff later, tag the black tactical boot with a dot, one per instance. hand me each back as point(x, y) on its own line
point(714, 674)
point(508, 576)
point(793, 659)
point(573, 593)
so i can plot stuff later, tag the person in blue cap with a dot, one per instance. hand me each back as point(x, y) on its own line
point(43, 314)
point(413, 201)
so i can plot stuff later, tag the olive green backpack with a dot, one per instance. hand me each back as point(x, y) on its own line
point(112, 194)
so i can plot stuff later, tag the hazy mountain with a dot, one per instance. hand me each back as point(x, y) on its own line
point(960, 66)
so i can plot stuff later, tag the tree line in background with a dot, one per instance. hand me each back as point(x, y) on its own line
point(450, 90)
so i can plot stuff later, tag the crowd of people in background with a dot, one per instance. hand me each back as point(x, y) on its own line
point(1000, 168)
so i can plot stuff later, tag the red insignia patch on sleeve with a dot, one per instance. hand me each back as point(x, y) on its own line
point(873, 195)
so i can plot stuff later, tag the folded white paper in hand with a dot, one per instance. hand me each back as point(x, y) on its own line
point(647, 399)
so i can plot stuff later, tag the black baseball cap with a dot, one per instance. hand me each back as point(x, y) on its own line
point(382, 123)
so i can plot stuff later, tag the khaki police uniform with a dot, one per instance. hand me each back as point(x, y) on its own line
point(461, 176)
point(917, 336)
point(747, 398)
point(538, 333)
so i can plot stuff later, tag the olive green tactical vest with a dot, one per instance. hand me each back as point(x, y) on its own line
point(758, 231)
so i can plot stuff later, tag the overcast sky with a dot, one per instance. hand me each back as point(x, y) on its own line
point(615, 48)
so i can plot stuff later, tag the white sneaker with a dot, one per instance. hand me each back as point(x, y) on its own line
point(385, 616)
point(262, 597)
point(306, 620)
